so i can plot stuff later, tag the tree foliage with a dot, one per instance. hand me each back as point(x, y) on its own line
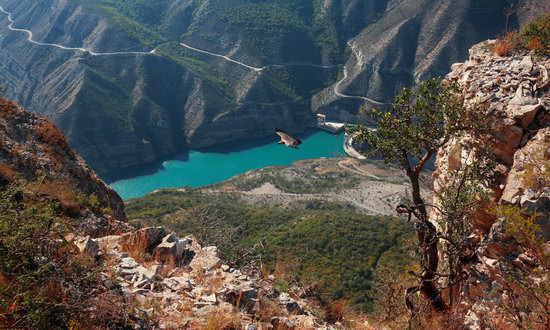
point(409, 134)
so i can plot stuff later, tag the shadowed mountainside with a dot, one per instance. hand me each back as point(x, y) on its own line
point(127, 91)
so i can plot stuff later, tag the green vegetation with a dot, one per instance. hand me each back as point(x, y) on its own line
point(536, 35)
point(298, 27)
point(44, 282)
point(296, 185)
point(141, 20)
point(274, 31)
point(188, 59)
point(329, 244)
point(109, 96)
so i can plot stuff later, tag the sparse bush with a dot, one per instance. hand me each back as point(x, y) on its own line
point(536, 173)
point(527, 289)
point(44, 282)
point(536, 35)
point(504, 46)
point(522, 226)
point(62, 193)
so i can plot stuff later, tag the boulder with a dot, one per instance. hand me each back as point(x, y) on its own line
point(242, 296)
point(146, 238)
point(289, 303)
point(88, 246)
point(171, 249)
point(178, 284)
point(525, 115)
point(206, 300)
point(526, 64)
point(128, 263)
point(207, 259)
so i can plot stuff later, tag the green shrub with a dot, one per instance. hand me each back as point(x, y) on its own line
point(536, 35)
point(44, 282)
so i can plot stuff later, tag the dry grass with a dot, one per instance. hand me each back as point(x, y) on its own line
point(50, 134)
point(7, 173)
point(110, 307)
point(268, 310)
point(337, 310)
point(222, 319)
point(136, 247)
point(214, 283)
point(534, 44)
point(61, 193)
point(179, 318)
point(504, 46)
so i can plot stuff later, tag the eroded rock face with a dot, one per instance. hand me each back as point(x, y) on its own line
point(515, 92)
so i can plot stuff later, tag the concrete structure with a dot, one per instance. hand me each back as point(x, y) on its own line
point(329, 126)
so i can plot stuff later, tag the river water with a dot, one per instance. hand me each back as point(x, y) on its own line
point(197, 168)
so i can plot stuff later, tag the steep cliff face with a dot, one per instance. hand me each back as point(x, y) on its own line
point(246, 67)
point(515, 90)
point(417, 40)
point(132, 106)
point(34, 152)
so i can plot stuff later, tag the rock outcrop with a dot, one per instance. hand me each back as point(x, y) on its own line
point(177, 284)
point(515, 90)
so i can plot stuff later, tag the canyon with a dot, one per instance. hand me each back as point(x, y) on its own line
point(130, 83)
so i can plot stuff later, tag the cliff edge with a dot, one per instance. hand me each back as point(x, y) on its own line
point(505, 274)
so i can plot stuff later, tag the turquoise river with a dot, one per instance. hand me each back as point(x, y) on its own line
point(203, 167)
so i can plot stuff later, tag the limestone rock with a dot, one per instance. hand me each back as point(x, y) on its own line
point(207, 259)
point(525, 115)
point(171, 249)
point(146, 238)
point(87, 245)
point(516, 96)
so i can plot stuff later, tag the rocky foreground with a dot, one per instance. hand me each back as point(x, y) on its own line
point(174, 283)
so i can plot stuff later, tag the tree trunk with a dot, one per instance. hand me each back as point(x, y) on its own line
point(428, 242)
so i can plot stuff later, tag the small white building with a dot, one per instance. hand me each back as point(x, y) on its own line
point(330, 126)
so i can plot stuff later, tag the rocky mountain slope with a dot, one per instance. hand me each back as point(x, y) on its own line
point(33, 150)
point(507, 278)
point(91, 69)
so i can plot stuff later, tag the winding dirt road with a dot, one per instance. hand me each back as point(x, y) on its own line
point(345, 96)
point(81, 49)
point(337, 85)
